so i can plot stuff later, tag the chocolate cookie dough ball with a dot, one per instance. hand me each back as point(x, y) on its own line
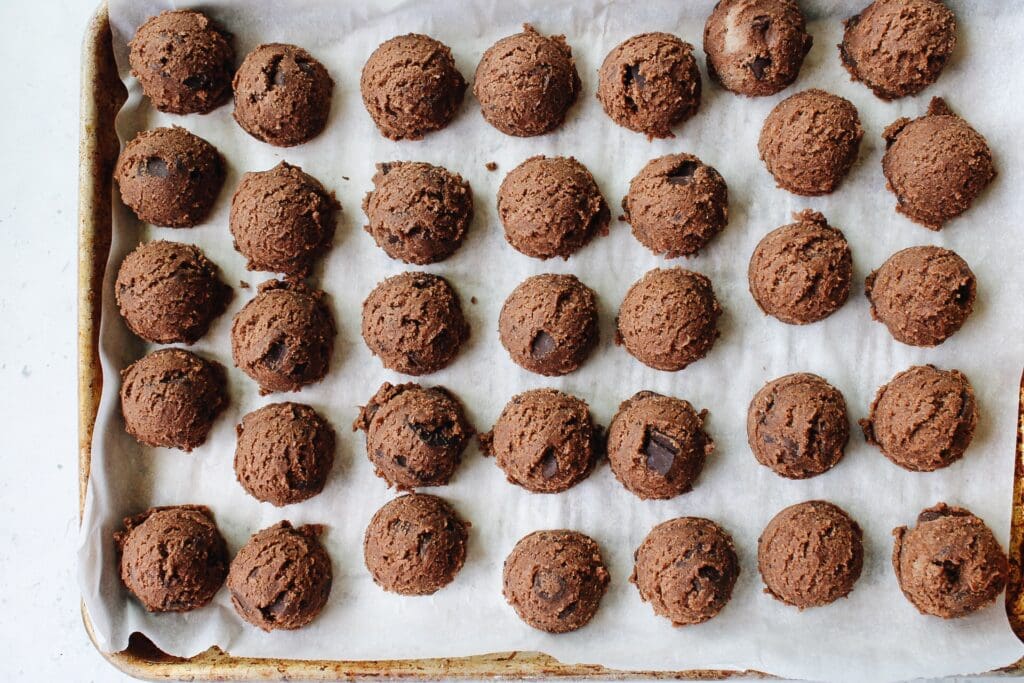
point(898, 47)
point(544, 440)
point(936, 165)
point(755, 47)
point(555, 580)
point(410, 86)
point(950, 564)
point(418, 213)
point(284, 453)
point(797, 425)
point(169, 177)
point(649, 83)
point(551, 206)
point(284, 337)
point(810, 554)
point(657, 445)
point(668, 318)
point(184, 62)
point(526, 83)
point(413, 322)
point(548, 324)
point(171, 397)
point(809, 142)
point(282, 220)
point(676, 204)
point(922, 294)
point(800, 273)
point(415, 435)
point(169, 292)
point(173, 559)
point(281, 578)
point(415, 545)
point(282, 95)
point(923, 419)
point(686, 568)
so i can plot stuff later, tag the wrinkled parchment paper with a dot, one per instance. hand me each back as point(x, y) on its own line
point(874, 634)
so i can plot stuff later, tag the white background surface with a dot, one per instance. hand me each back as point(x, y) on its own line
point(41, 636)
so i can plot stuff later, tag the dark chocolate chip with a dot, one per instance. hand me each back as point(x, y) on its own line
point(661, 452)
point(156, 167)
point(759, 65)
point(275, 353)
point(542, 345)
point(432, 436)
point(198, 82)
point(683, 173)
point(422, 542)
point(548, 585)
point(548, 464)
point(633, 76)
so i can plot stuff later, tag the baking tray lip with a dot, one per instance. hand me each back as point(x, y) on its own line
point(94, 188)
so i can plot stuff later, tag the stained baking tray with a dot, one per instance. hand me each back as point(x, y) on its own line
point(102, 96)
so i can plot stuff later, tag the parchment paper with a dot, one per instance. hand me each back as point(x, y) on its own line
point(874, 634)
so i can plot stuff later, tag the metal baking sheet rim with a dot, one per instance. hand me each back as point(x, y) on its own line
point(102, 95)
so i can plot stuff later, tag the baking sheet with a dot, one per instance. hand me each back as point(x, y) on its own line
point(873, 634)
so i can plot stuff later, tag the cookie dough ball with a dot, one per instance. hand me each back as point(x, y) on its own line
point(686, 568)
point(171, 397)
point(898, 47)
point(413, 322)
point(282, 95)
point(169, 177)
point(281, 578)
point(755, 47)
point(184, 62)
point(797, 425)
point(418, 213)
point(415, 545)
point(950, 564)
point(936, 165)
point(657, 445)
point(555, 580)
point(668, 318)
point(169, 292)
point(284, 337)
point(676, 204)
point(544, 440)
point(548, 324)
point(551, 206)
point(923, 419)
point(282, 220)
point(284, 453)
point(415, 436)
point(410, 86)
point(649, 83)
point(922, 294)
point(800, 273)
point(809, 142)
point(173, 559)
point(526, 83)
point(810, 554)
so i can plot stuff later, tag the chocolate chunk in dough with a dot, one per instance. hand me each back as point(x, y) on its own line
point(922, 294)
point(551, 206)
point(756, 47)
point(173, 559)
point(649, 83)
point(411, 87)
point(898, 47)
point(686, 568)
point(169, 177)
point(810, 554)
point(169, 292)
point(415, 545)
point(282, 95)
point(809, 141)
point(526, 83)
point(544, 440)
point(923, 419)
point(284, 337)
point(415, 435)
point(548, 324)
point(171, 397)
point(413, 322)
point(555, 580)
